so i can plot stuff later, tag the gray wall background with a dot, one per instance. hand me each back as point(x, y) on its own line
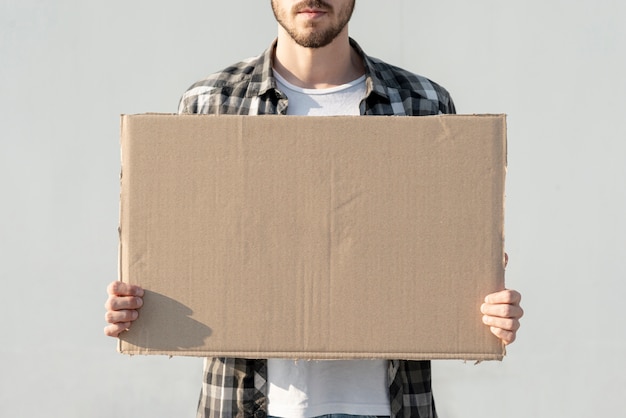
point(68, 68)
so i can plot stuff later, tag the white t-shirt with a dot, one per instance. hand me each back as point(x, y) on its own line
point(309, 388)
point(334, 101)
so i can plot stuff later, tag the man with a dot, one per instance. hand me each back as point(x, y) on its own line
point(314, 68)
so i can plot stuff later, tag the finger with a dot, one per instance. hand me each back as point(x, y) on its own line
point(124, 289)
point(115, 330)
point(121, 317)
point(504, 296)
point(116, 303)
point(508, 324)
point(502, 310)
point(507, 337)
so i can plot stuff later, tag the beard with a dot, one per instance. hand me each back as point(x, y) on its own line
point(312, 36)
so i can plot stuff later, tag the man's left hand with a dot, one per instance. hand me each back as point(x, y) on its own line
point(502, 312)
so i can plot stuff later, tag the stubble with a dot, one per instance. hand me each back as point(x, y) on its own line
point(313, 36)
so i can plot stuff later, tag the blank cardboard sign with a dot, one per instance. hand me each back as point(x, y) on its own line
point(313, 237)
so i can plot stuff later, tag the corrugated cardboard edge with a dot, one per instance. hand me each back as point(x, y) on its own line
point(120, 276)
point(124, 126)
point(327, 355)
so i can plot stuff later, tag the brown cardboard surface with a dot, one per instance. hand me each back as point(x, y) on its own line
point(313, 237)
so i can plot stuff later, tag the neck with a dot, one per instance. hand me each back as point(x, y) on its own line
point(333, 65)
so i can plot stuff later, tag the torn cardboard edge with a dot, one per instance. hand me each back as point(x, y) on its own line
point(250, 143)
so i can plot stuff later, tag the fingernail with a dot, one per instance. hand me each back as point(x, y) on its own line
point(482, 308)
point(134, 315)
point(139, 302)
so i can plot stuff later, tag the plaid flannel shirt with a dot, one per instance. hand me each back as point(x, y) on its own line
point(235, 387)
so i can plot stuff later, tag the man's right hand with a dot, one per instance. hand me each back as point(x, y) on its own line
point(121, 306)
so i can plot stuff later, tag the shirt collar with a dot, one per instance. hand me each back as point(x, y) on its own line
point(262, 77)
point(373, 82)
